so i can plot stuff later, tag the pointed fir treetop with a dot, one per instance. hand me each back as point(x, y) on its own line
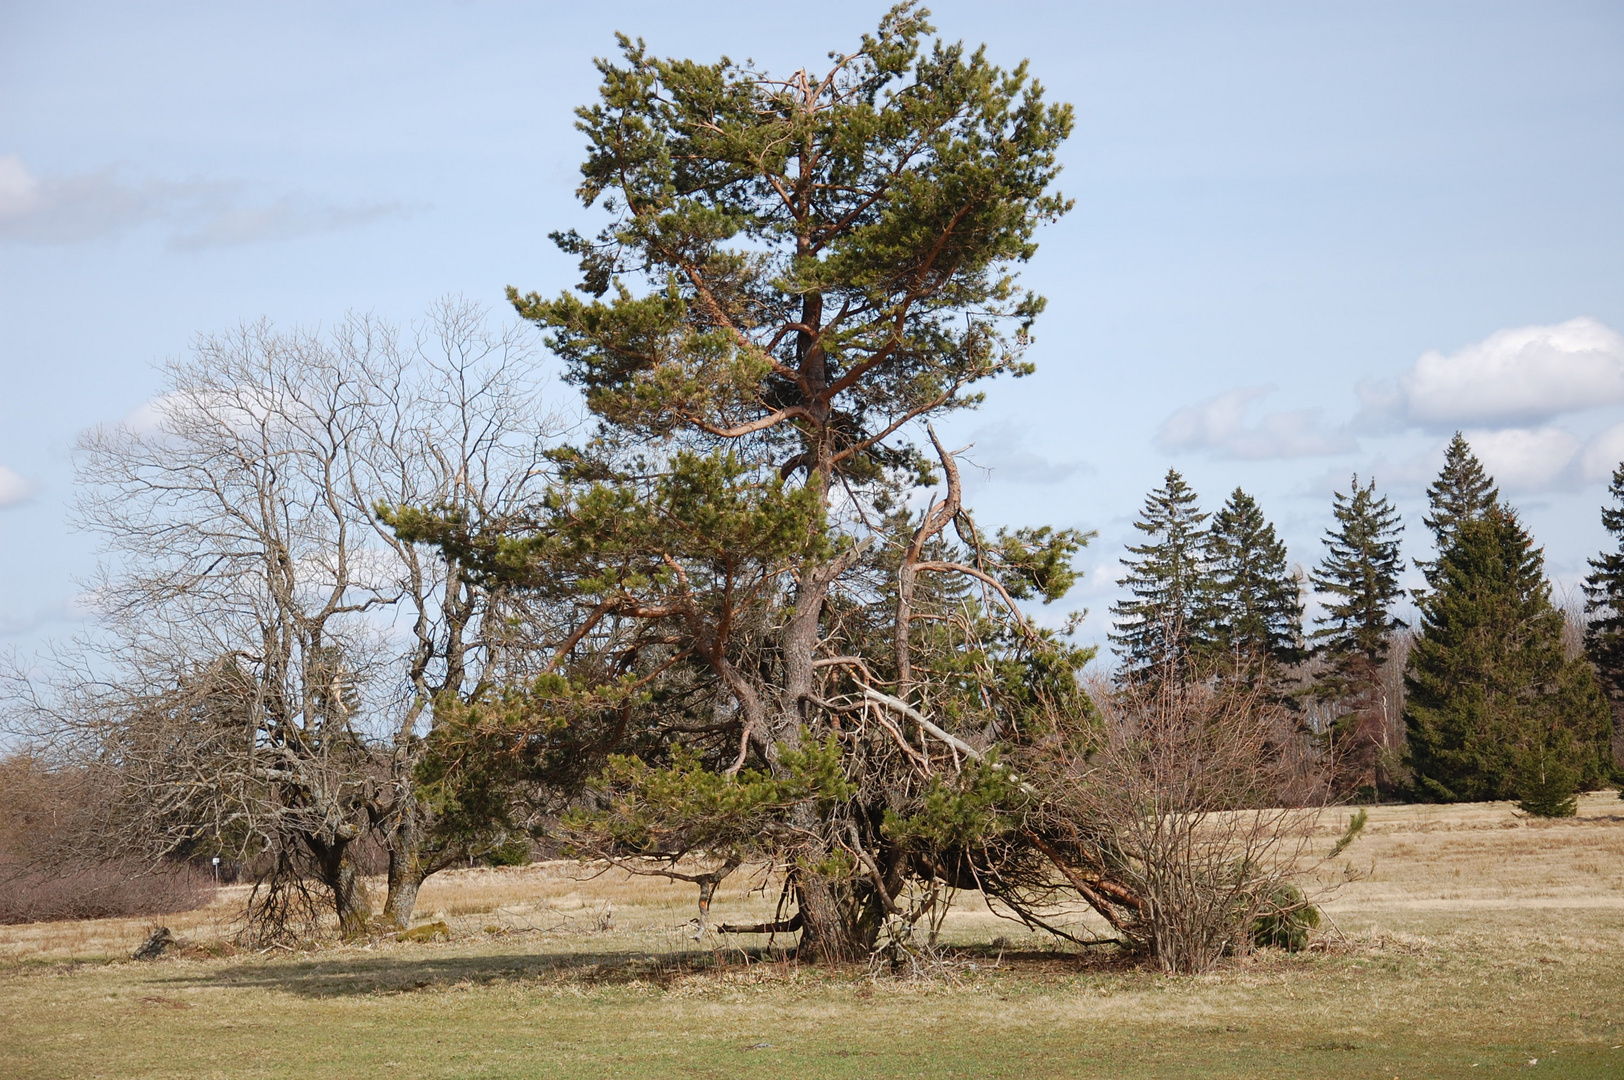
point(1492, 561)
point(1256, 609)
point(1360, 575)
point(1158, 623)
point(1462, 492)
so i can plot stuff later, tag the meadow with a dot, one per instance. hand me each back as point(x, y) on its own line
point(1472, 942)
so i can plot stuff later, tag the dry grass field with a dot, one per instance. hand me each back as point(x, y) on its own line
point(1474, 943)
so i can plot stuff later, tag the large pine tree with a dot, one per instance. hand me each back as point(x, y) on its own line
point(1255, 610)
point(1494, 709)
point(1359, 577)
point(1604, 638)
point(1162, 623)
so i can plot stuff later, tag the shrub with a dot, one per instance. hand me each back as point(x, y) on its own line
point(1285, 920)
point(99, 891)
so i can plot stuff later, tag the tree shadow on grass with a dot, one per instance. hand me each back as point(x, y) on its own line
point(351, 975)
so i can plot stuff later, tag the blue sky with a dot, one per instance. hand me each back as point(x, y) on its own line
point(1310, 239)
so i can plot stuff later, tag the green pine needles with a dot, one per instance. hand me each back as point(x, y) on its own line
point(1358, 582)
point(1255, 612)
point(1604, 637)
point(1494, 709)
point(1161, 624)
point(1204, 599)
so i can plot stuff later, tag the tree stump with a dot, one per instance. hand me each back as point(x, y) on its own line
point(155, 945)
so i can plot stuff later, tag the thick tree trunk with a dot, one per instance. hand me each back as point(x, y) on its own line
point(407, 867)
point(337, 871)
point(839, 923)
point(350, 901)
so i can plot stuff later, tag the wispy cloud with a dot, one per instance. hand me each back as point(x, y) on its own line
point(1219, 426)
point(14, 487)
point(282, 220)
point(1512, 378)
point(1004, 451)
point(70, 209)
point(72, 609)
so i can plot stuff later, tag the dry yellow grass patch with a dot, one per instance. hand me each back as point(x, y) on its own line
point(1476, 943)
point(1415, 858)
point(1486, 855)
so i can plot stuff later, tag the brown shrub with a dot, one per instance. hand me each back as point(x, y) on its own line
point(48, 872)
point(99, 891)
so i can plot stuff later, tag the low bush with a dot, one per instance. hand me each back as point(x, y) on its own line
point(99, 891)
point(1285, 920)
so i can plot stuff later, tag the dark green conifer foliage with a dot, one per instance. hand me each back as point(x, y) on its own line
point(1359, 576)
point(1161, 625)
point(1604, 638)
point(1255, 610)
point(792, 270)
point(1494, 709)
point(1462, 493)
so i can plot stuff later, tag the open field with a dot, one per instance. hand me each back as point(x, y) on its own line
point(1477, 943)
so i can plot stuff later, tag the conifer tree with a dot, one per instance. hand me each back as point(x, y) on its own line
point(1360, 577)
point(1462, 493)
point(1255, 610)
point(795, 272)
point(1604, 637)
point(1162, 624)
point(1494, 709)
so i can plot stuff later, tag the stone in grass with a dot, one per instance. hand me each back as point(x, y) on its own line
point(434, 931)
point(154, 946)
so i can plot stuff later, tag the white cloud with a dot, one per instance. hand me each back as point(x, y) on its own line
point(1527, 459)
point(14, 487)
point(1218, 425)
point(1602, 454)
point(1512, 377)
point(71, 209)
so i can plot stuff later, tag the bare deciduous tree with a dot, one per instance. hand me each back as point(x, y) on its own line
point(270, 654)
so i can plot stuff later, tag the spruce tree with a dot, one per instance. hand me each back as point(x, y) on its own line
point(1604, 638)
point(1462, 493)
point(1255, 611)
point(1494, 709)
point(1360, 577)
point(1161, 625)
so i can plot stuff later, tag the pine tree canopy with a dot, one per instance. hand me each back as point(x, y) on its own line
point(1604, 589)
point(1162, 621)
point(1492, 702)
point(1255, 610)
point(1360, 576)
point(806, 263)
point(1462, 492)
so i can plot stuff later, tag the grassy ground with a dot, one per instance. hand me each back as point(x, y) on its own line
point(1476, 944)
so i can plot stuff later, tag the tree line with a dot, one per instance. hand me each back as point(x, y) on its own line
point(1494, 703)
point(363, 588)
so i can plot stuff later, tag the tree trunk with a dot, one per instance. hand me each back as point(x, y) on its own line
point(840, 919)
point(350, 900)
point(407, 866)
point(337, 871)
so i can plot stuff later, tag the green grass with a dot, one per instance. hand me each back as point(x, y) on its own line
point(1434, 995)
